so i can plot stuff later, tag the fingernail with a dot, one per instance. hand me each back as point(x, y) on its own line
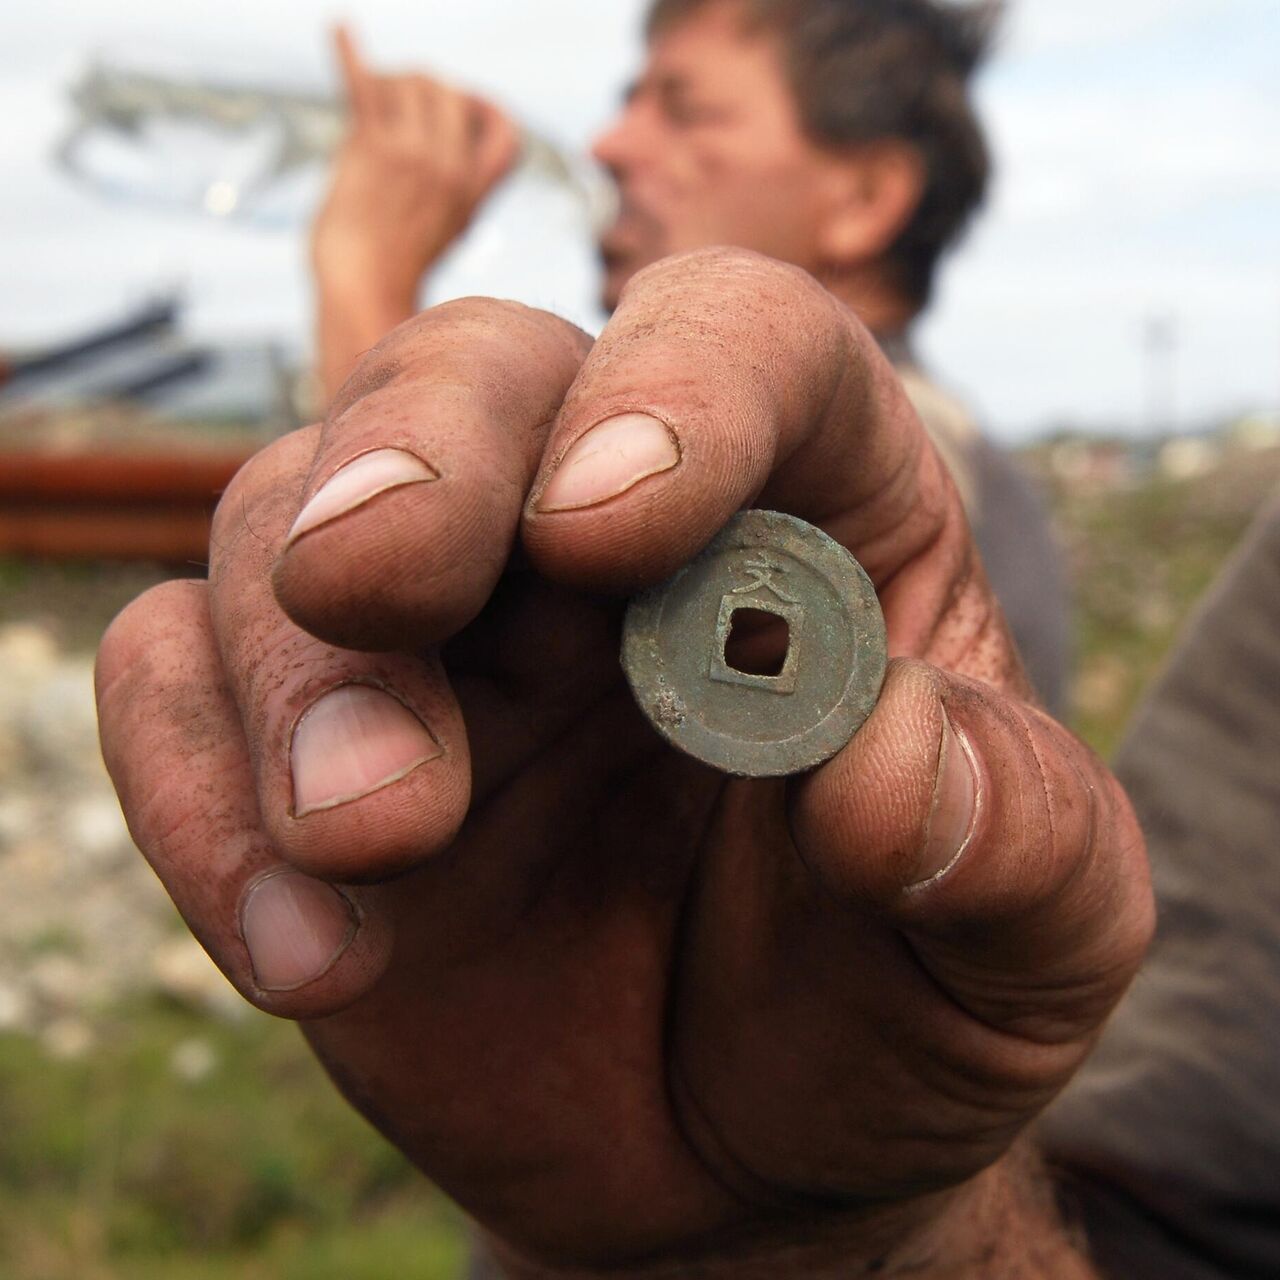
point(295, 928)
point(353, 485)
point(955, 807)
point(352, 742)
point(614, 456)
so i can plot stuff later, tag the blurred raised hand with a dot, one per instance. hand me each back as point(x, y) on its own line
point(419, 159)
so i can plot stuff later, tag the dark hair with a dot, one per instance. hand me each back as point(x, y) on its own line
point(864, 70)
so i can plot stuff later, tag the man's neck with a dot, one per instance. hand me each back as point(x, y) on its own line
point(875, 302)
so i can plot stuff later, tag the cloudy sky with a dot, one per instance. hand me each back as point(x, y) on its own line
point(1139, 144)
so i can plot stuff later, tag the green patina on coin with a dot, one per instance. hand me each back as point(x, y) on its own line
point(810, 702)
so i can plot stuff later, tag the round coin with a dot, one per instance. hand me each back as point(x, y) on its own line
point(826, 659)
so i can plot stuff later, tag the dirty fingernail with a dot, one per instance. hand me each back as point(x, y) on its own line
point(955, 807)
point(352, 742)
point(353, 485)
point(614, 456)
point(295, 928)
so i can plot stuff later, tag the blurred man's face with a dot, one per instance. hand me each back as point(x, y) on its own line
point(709, 150)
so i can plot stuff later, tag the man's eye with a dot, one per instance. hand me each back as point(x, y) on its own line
point(687, 114)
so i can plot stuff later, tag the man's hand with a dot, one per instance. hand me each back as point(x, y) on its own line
point(419, 159)
point(627, 1011)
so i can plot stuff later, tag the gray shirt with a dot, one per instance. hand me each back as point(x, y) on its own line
point(1011, 527)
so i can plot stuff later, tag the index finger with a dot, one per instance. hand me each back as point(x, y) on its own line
point(356, 76)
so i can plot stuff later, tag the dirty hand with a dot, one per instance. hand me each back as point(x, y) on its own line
point(419, 159)
point(625, 1010)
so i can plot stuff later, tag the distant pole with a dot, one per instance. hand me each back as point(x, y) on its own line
point(1160, 342)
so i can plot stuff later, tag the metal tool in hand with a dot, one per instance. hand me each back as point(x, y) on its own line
point(765, 654)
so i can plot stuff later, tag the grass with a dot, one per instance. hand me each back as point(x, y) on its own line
point(123, 1166)
point(1141, 559)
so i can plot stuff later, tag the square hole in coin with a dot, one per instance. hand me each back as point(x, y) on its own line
point(757, 643)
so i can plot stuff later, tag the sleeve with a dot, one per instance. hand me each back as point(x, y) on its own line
point(1171, 1134)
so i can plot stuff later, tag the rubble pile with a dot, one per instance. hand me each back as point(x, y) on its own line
point(83, 921)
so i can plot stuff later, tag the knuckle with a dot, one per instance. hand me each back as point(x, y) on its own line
point(783, 309)
point(735, 269)
point(254, 502)
point(494, 320)
point(920, 678)
point(132, 632)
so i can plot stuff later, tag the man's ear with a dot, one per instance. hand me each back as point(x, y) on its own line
point(874, 191)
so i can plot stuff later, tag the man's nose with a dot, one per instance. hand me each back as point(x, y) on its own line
point(615, 148)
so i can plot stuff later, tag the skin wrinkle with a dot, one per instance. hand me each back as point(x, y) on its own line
point(1108, 979)
point(200, 802)
point(297, 652)
point(886, 580)
point(513, 773)
point(541, 882)
point(707, 1145)
point(1047, 1034)
point(164, 835)
point(289, 672)
point(803, 1244)
point(1050, 1078)
point(768, 1194)
point(968, 1074)
point(477, 383)
point(1046, 791)
point(983, 1103)
point(679, 1094)
point(366, 377)
point(934, 1074)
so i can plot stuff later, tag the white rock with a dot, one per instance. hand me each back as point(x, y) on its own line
point(67, 1039)
point(183, 970)
point(15, 1008)
point(95, 830)
point(59, 980)
point(193, 1060)
point(59, 721)
point(26, 649)
point(19, 817)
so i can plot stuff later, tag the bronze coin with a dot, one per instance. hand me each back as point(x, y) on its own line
point(777, 700)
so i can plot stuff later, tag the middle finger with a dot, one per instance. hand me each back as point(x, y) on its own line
point(360, 760)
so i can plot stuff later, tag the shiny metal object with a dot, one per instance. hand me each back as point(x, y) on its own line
point(808, 681)
point(206, 142)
